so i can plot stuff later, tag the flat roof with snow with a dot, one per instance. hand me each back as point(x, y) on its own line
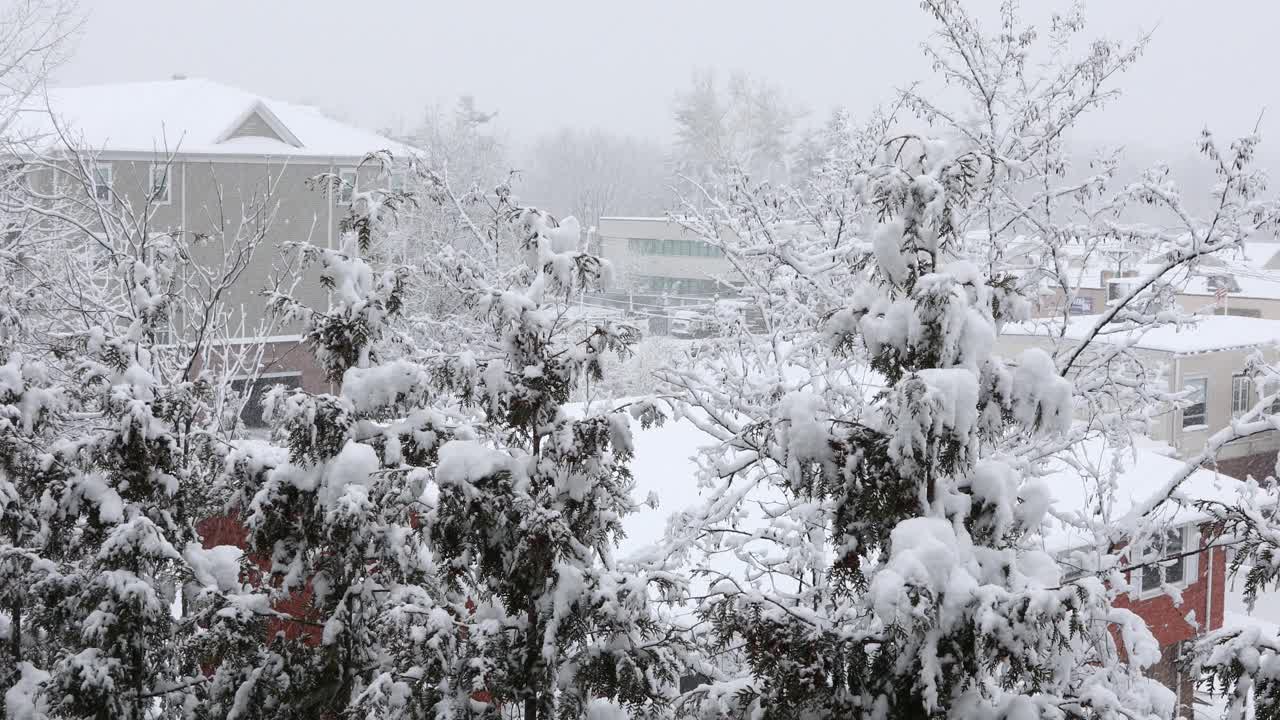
point(1126, 479)
point(1209, 333)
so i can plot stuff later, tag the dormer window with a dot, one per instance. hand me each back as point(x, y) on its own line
point(257, 121)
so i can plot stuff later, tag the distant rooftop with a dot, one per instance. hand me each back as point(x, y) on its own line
point(1209, 333)
point(195, 116)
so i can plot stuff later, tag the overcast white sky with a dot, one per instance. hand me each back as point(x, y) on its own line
point(594, 63)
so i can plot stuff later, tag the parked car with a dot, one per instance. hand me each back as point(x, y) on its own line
point(691, 324)
point(714, 320)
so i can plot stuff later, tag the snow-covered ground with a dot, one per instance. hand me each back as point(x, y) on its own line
point(664, 465)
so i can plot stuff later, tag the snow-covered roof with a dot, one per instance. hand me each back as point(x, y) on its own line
point(1209, 333)
point(1247, 265)
point(665, 465)
point(1135, 475)
point(1254, 254)
point(196, 116)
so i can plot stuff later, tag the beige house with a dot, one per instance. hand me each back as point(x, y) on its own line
point(1207, 360)
point(216, 159)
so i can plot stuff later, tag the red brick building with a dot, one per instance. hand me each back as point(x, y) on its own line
point(1178, 582)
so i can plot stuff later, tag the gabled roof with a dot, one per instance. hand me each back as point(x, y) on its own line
point(195, 116)
point(258, 114)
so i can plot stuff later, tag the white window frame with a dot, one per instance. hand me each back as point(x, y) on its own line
point(347, 188)
point(167, 197)
point(1182, 413)
point(1118, 287)
point(103, 177)
point(1243, 397)
point(1270, 386)
point(1189, 538)
point(397, 181)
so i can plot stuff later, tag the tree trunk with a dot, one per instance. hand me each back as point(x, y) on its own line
point(15, 641)
point(530, 662)
point(15, 611)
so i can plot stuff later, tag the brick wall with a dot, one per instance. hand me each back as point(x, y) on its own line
point(1204, 596)
point(1259, 466)
point(277, 356)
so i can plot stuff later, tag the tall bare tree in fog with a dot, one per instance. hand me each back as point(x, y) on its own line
point(464, 143)
point(744, 123)
point(592, 173)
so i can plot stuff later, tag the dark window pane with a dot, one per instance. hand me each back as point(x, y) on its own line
point(1150, 578)
point(251, 414)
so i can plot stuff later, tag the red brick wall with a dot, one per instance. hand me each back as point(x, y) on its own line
point(1260, 465)
point(278, 356)
point(228, 530)
point(1167, 620)
point(1202, 595)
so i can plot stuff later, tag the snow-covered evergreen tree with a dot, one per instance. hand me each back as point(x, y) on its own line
point(442, 527)
point(125, 508)
point(30, 408)
point(102, 504)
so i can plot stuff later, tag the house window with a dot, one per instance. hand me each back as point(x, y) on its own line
point(1238, 312)
point(102, 182)
point(160, 190)
point(252, 390)
point(1269, 388)
point(1222, 282)
point(1242, 397)
point(1081, 305)
point(1117, 289)
point(398, 181)
point(1195, 413)
point(347, 186)
point(1172, 565)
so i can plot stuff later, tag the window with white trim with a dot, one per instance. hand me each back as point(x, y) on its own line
point(347, 185)
point(102, 182)
point(1242, 396)
point(1164, 562)
point(1270, 387)
point(161, 192)
point(252, 390)
point(398, 181)
point(1196, 412)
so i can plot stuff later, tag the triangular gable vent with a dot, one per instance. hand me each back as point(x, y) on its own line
point(259, 121)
